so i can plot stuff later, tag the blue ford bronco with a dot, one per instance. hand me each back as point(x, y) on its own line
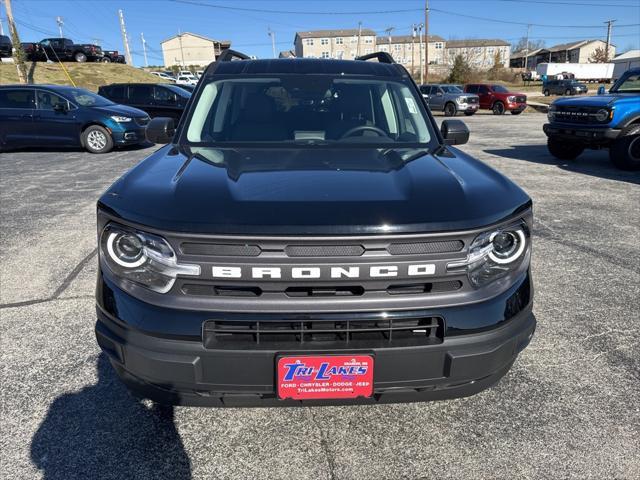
point(604, 121)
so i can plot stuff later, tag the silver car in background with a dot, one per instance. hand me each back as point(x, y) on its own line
point(449, 99)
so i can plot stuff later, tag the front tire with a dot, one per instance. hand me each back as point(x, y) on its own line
point(498, 108)
point(450, 110)
point(80, 57)
point(469, 114)
point(546, 92)
point(516, 112)
point(96, 139)
point(624, 153)
point(106, 60)
point(564, 150)
point(567, 92)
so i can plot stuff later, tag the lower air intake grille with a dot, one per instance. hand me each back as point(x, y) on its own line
point(425, 247)
point(425, 330)
point(324, 250)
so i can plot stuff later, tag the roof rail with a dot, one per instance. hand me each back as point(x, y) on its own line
point(228, 55)
point(382, 57)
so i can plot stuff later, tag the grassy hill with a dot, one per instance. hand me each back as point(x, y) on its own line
point(85, 75)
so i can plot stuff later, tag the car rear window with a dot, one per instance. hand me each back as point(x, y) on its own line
point(21, 98)
point(308, 109)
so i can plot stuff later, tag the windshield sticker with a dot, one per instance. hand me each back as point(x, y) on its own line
point(411, 105)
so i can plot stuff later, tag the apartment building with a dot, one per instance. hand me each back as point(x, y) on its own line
point(479, 53)
point(573, 52)
point(339, 44)
point(407, 49)
point(187, 49)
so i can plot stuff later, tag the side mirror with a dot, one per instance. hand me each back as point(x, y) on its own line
point(439, 94)
point(60, 108)
point(454, 132)
point(160, 130)
point(601, 90)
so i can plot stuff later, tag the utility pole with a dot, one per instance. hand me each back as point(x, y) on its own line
point(359, 35)
point(144, 49)
point(420, 42)
point(609, 24)
point(526, 55)
point(60, 23)
point(272, 34)
point(15, 39)
point(388, 32)
point(413, 49)
point(426, 40)
point(125, 39)
point(181, 50)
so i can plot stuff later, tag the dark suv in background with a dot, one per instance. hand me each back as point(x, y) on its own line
point(158, 100)
point(563, 87)
point(6, 48)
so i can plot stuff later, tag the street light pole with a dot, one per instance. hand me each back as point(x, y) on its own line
point(272, 34)
point(420, 42)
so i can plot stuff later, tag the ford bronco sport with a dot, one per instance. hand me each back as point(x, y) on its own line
point(309, 236)
point(604, 121)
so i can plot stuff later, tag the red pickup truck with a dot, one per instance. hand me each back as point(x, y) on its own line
point(498, 98)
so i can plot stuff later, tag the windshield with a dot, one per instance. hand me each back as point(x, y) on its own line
point(309, 109)
point(499, 89)
point(631, 84)
point(451, 89)
point(86, 98)
point(179, 91)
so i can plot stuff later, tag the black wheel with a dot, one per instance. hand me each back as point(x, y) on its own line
point(625, 152)
point(469, 114)
point(498, 108)
point(80, 57)
point(567, 91)
point(546, 92)
point(516, 112)
point(564, 150)
point(97, 139)
point(450, 110)
point(106, 60)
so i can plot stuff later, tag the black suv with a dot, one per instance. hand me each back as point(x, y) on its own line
point(563, 87)
point(6, 48)
point(308, 235)
point(158, 100)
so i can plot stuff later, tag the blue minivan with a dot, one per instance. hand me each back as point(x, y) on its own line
point(54, 115)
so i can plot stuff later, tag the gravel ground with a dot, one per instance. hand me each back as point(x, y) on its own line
point(568, 409)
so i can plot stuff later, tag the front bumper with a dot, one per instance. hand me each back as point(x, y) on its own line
point(177, 369)
point(131, 136)
point(515, 107)
point(582, 134)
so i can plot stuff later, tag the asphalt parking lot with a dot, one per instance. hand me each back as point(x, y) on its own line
point(569, 408)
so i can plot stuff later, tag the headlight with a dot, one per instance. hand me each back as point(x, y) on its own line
point(551, 114)
point(119, 119)
point(602, 115)
point(461, 99)
point(494, 254)
point(511, 99)
point(142, 258)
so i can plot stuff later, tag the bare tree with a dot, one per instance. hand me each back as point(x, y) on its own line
point(599, 55)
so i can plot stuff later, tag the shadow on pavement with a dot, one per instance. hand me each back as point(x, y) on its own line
point(592, 162)
point(102, 432)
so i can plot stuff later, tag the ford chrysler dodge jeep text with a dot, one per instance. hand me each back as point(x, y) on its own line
point(308, 236)
point(605, 121)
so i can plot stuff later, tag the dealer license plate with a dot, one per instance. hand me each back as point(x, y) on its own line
point(310, 377)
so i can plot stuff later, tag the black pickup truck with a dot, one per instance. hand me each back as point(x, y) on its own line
point(308, 235)
point(113, 56)
point(64, 50)
point(6, 48)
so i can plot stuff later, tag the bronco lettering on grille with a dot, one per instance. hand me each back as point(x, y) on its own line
point(311, 272)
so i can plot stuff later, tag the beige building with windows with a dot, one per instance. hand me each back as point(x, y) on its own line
point(407, 50)
point(479, 53)
point(186, 49)
point(337, 44)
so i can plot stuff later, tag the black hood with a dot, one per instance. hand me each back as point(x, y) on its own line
point(312, 191)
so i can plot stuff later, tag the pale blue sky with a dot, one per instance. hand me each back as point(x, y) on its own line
point(246, 22)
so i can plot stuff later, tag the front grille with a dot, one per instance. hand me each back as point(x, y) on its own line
point(142, 121)
point(472, 99)
point(221, 249)
point(570, 114)
point(425, 247)
point(324, 250)
point(397, 331)
point(521, 99)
